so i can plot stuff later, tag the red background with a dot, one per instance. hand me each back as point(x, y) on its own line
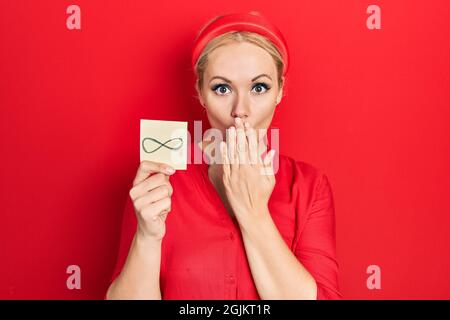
point(369, 107)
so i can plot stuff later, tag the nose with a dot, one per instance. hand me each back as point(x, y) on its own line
point(241, 108)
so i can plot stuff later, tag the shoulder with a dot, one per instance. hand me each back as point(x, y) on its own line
point(303, 181)
point(301, 171)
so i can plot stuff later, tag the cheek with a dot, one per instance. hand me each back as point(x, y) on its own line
point(218, 107)
point(218, 112)
point(264, 104)
point(263, 111)
point(215, 101)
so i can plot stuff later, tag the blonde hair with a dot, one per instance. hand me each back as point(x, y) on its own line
point(238, 36)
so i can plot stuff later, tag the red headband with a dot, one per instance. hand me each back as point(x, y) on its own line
point(252, 21)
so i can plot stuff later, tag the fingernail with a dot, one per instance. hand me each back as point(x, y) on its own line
point(170, 170)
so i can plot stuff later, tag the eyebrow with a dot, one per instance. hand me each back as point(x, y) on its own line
point(229, 81)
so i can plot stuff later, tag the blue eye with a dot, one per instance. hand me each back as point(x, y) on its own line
point(261, 86)
point(258, 88)
point(222, 89)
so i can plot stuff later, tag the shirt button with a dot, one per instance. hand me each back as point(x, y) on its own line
point(231, 279)
point(231, 236)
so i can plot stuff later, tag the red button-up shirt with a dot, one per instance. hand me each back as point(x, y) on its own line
point(202, 253)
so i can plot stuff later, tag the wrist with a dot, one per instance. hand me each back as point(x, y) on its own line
point(146, 240)
point(256, 222)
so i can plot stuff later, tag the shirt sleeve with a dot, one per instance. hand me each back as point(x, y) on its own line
point(316, 246)
point(128, 230)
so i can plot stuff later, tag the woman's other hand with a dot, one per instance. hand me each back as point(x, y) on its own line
point(248, 180)
point(151, 195)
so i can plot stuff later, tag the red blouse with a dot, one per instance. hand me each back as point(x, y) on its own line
point(202, 253)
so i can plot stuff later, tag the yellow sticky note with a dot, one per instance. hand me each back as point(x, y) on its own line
point(164, 141)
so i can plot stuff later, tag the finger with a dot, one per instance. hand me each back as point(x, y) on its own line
point(228, 141)
point(225, 160)
point(268, 163)
point(231, 146)
point(241, 141)
point(262, 144)
point(148, 167)
point(148, 184)
point(156, 194)
point(153, 210)
point(252, 143)
point(163, 215)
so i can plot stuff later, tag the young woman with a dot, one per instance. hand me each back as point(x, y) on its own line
point(232, 232)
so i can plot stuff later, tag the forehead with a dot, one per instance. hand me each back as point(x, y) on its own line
point(235, 60)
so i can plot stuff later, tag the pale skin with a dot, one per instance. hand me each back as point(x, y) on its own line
point(151, 194)
point(240, 92)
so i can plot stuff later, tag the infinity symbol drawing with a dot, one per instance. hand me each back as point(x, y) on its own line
point(163, 144)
